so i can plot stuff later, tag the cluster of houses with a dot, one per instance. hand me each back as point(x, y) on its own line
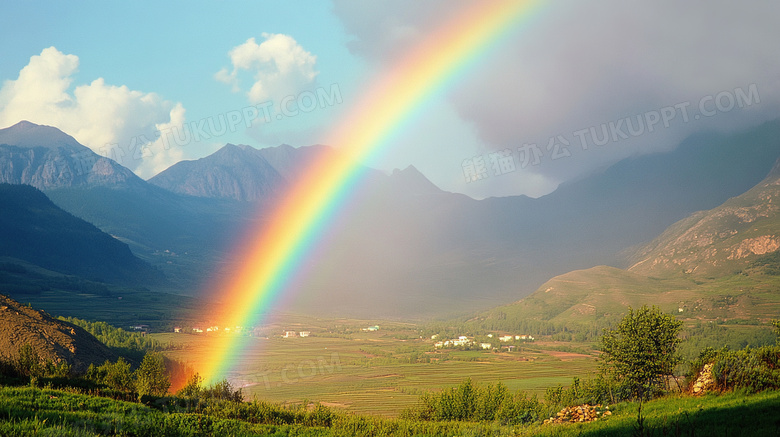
point(293, 334)
point(199, 330)
point(460, 341)
point(506, 338)
point(371, 328)
point(465, 341)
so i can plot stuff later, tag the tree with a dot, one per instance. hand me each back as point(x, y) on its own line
point(151, 377)
point(642, 350)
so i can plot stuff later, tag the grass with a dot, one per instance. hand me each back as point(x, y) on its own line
point(729, 414)
point(33, 411)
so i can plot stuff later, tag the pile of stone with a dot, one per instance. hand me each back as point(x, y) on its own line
point(580, 414)
point(705, 382)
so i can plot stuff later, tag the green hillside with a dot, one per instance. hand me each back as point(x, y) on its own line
point(34, 229)
point(718, 265)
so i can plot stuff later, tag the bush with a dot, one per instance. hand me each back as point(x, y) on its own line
point(30, 364)
point(751, 369)
point(471, 402)
point(117, 376)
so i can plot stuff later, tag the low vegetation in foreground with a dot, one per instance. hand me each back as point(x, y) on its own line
point(635, 392)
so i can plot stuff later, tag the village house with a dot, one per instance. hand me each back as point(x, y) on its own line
point(304, 333)
point(460, 341)
point(290, 334)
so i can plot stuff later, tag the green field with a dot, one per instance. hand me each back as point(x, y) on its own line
point(376, 373)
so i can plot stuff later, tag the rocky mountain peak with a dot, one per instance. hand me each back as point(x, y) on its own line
point(28, 135)
point(47, 158)
point(235, 171)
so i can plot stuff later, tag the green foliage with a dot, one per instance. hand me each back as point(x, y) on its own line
point(767, 264)
point(30, 364)
point(193, 387)
point(776, 325)
point(132, 344)
point(716, 336)
point(151, 377)
point(751, 369)
point(117, 376)
point(642, 350)
point(32, 411)
point(222, 390)
point(471, 402)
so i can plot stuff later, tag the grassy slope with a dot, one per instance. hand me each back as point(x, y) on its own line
point(601, 294)
point(710, 415)
point(32, 411)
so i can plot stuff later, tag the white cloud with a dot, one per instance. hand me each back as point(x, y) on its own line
point(279, 66)
point(113, 121)
point(163, 153)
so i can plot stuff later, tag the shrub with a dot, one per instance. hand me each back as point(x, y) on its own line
point(117, 376)
point(471, 402)
point(751, 369)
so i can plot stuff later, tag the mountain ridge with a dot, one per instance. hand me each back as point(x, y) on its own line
point(234, 172)
point(34, 229)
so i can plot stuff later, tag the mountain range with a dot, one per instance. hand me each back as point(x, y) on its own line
point(400, 246)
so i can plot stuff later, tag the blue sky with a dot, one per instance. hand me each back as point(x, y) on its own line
point(573, 67)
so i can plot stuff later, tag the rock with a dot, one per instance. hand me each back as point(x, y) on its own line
point(579, 414)
point(705, 381)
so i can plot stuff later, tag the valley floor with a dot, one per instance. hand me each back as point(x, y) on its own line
point(377, 373)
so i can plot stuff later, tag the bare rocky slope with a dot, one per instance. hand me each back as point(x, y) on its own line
point(723, 240)
point(53, 339)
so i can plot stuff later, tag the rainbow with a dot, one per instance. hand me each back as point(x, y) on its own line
point(273, 257)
